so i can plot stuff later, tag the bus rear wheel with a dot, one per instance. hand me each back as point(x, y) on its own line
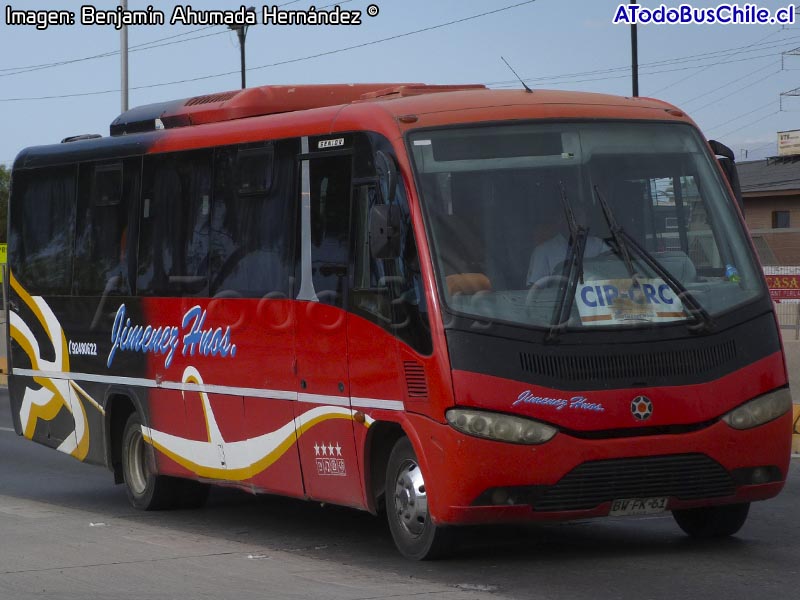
point(414, 533)
point(712, 521)
point(145, 489)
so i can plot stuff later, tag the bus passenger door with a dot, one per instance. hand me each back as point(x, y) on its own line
point(324, 418)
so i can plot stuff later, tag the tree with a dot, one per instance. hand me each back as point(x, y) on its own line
point(5, 186)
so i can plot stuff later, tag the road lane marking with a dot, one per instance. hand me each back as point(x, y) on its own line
point(7, 429)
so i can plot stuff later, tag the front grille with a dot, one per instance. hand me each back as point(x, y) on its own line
point(684, 476)
point(639, 366)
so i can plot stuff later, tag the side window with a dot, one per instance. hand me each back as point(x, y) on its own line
point(389, 292)
point(175, 217)
point(43, 229)
point(107, 202)
point(252, 233)
point(330, 226)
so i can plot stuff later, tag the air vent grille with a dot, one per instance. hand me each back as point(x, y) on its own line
point(416, 384)
point(684, 476)
point(641, 366)
point(209, 99)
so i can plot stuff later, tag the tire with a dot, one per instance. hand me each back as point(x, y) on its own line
point(146, 490)
point(415, 534)
point(712, 521)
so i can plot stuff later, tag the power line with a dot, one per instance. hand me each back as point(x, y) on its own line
point(702, 56)
point(142, 46)
point(737, 117)
point(665, 62)
point(757, 148)
point(627, 75)
point(749, 85)
point(5, 72)
point(758, 41)
point(737, 80)
point(283, 62)
point(106, 54)
point(724, 135)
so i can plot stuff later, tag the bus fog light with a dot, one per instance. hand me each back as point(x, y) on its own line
point(761, 410)
point(500, 427)
point(760, 475)
point(757, 475)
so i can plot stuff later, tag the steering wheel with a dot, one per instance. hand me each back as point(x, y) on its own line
point(543, 283)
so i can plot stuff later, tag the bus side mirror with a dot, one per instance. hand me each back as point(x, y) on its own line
point(387, 175)
point(727, 161)
point(384, 231)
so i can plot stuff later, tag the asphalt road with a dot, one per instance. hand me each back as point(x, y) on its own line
point(67, 532)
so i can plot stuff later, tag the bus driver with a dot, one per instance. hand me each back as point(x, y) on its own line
point(552, 235)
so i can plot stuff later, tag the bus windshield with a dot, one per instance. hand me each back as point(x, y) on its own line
point(582, 224)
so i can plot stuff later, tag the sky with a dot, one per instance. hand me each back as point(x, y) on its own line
point(728, 78)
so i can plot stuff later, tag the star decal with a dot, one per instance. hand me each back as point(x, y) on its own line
point(327, 449)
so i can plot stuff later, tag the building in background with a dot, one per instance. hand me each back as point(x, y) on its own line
point(771, 191)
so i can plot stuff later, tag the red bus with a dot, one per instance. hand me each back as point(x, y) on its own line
point(455, 304)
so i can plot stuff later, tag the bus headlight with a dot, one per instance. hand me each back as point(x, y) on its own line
point(500, 427)
point(762, 410)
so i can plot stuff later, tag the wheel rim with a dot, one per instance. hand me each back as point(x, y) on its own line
point(135, 463)
point(411, 499)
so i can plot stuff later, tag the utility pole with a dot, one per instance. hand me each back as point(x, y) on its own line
point(241, 32)
point(634, 58)
point(123, 53)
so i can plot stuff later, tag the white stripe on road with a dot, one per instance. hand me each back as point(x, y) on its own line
point(7, 429)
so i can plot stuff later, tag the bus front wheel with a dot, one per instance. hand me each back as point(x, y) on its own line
point(712, 521)
point(414, 533)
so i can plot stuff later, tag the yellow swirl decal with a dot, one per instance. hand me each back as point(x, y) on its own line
point(244, 458)
point(45, 403)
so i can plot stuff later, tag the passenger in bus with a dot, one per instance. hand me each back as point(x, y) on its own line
point(552, 236)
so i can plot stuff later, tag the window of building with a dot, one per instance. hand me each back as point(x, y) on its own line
point(780, 219)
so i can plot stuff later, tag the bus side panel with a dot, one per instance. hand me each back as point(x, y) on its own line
point(55, 341)
point(323, 412)
point(228, 415)
point(271, 350)
point(375, 378)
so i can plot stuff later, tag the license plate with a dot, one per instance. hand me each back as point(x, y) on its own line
point(637, 506)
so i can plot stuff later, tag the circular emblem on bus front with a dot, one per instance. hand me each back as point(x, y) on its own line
point(641, 408)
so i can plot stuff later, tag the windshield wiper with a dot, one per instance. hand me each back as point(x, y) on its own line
point(573, 268)
point(625, 242)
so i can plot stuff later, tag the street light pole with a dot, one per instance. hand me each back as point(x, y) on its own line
point(241, 32)
point(634, 58)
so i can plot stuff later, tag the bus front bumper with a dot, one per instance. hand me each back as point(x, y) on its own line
point(472, 480)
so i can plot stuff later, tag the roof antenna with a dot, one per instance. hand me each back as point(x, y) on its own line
point(525, 85)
